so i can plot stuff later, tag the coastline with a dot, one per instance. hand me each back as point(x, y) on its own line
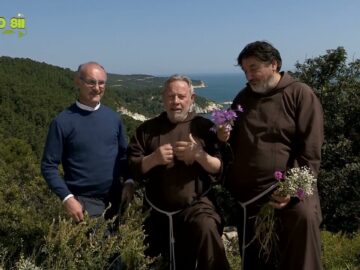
point(201, 85)
point(220, 88)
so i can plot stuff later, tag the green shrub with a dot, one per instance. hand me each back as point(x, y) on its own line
point(232, 251)
point(26, 207)
point(335, 79)
point(85, 246)
point(340, 251)
point(26, 264)
point(81, 246)
point(132, 237)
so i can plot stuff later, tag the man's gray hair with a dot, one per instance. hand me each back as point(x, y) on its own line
point(178, 77)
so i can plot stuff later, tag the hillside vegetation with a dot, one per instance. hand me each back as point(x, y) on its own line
point(35, 230)
point(33, 93)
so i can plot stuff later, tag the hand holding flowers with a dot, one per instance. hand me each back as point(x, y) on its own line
point(224, 120)
point(296, 182)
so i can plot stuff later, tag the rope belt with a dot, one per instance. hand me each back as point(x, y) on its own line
point(171, 231)
point(243, 205)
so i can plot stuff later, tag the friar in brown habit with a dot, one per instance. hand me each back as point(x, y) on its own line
point(281, 127)
point(177, 155)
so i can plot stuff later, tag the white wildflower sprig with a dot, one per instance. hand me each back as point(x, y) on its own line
point(296, 182)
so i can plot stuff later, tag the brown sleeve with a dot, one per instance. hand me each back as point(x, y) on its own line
point(211, 143)
point(136, 152)
point(310, 129)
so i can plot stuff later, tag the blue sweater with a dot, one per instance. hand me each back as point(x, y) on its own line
point(91, 147)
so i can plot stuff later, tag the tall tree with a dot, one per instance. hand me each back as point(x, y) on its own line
point(337, 83)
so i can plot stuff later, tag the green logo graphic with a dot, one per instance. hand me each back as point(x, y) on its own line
point(13, 25)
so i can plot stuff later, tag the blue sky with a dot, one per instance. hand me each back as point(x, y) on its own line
point(163, 37)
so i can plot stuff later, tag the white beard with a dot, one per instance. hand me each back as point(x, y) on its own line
point(177, 117)
point(265, 86)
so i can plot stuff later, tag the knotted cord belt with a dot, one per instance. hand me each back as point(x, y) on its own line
point(243, 205)
point(171, 231)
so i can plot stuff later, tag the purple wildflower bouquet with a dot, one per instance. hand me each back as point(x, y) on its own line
point(296, 182)
point(225, 117)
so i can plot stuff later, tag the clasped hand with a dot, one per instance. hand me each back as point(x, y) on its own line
point(186, 151)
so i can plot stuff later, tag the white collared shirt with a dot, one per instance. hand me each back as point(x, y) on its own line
point(87, 108)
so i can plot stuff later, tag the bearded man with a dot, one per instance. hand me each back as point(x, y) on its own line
point(178, 157)
point(281, 128)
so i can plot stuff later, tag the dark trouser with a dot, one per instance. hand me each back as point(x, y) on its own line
point(95, 207)
point(299, 237)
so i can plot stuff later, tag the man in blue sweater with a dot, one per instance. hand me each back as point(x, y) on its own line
point(87, 139)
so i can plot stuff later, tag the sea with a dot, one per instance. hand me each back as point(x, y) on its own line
point(221, 88)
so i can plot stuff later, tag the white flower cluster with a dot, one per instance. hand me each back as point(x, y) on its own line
point(297, 182)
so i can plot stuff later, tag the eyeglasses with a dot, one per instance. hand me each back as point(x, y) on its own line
point(93, 83)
